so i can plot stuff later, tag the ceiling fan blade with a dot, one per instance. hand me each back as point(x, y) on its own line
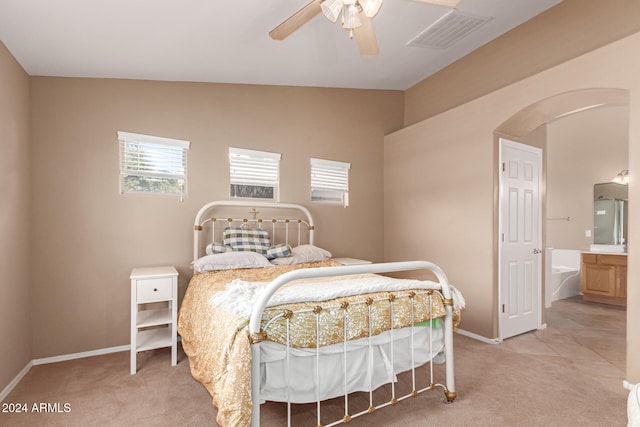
point(365, 36)
point(296, 21)
point(449, 3)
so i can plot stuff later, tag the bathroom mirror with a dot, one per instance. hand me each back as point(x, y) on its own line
point(610, 202)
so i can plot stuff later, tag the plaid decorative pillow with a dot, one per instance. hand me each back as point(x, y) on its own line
point(279, 251)
point(303, 253)
point(217, 248)
point(241, 239)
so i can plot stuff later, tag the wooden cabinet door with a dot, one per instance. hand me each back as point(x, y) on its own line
point(599, 280)
point(604, 278)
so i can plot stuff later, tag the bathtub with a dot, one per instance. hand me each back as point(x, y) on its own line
point(562, 274)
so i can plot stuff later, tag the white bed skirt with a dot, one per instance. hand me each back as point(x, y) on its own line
point(303, 382)
point(633, 406)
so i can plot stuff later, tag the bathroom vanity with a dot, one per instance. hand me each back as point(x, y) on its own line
point(604, 278)
point(604, 268)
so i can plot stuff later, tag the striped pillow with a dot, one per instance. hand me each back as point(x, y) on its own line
point(241, 239)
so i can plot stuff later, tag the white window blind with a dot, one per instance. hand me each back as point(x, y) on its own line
point(254, 174)
point(152, 164)
point(330, 181)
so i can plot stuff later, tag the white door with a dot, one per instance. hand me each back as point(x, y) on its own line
point(520, 239)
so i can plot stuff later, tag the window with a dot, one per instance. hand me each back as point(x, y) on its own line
point(152, 164)
point(330, 182)
point(254, 174)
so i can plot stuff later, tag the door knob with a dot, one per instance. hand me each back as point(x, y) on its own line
point(537, 251)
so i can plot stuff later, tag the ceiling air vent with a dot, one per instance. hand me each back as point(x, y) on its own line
point(447, 30)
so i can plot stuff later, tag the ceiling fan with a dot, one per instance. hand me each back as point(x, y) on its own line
point(356, 17)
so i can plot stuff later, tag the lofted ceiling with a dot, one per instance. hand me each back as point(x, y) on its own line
point(228, 42)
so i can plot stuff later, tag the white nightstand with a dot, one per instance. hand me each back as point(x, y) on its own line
point(351, 261)
point(153, 285)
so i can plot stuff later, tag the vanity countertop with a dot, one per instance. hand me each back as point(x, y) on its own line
point(603, 253)
point(601, 249)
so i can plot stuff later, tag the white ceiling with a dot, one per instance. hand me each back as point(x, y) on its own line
point(228, 42)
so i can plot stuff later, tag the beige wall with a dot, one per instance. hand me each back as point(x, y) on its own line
point(87, 236)
point(582, 149)
point(441, 172)
point(438, 174)
point(15, 251)
point(570, 29)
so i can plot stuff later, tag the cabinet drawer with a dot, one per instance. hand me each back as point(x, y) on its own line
point(589, 258)
point(150, 290)
point(612, 259)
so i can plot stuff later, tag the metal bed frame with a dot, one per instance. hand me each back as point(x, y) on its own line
point(257, 334)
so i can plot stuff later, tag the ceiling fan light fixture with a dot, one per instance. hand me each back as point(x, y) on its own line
point(371, 7)
point(331, 9)
point(351, 17)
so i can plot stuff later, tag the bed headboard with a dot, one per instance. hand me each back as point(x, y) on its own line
point(285, 222)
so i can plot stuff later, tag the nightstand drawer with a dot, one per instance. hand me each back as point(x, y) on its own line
point(150, 290)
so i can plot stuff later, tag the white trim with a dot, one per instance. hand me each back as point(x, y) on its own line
point(479, 337)
point(330, 163)
point(5, 392)
point(46, 360)
point(625, 384)
point(81, 355)
point(255, 153)
point(138, 137)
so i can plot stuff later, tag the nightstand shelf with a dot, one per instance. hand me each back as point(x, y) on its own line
point(153, 338)
point(146, 318)
point(153, 327)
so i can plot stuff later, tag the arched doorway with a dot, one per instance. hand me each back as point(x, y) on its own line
point(521, 127)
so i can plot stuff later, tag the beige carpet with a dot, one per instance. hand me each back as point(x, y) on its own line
point(567, 375)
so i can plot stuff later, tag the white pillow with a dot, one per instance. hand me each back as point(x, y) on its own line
point(303, 253)
point(230, 260)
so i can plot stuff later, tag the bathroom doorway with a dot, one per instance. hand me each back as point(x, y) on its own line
point(569, 168)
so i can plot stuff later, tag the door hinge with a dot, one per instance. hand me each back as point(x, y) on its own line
point(502, 237)
point(502, 308)
point(503, 167)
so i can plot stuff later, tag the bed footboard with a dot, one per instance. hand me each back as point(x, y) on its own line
point(257, 335)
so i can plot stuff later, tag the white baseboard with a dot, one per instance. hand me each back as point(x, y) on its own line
point(479, 337)
point(81, 355)
point(5, 392)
